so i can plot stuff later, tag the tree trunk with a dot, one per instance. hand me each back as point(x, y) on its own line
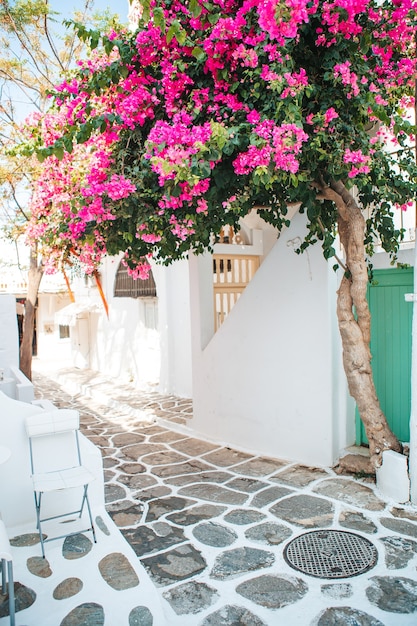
point(355, 323)
point(34, 278)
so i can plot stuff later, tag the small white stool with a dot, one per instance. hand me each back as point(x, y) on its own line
point(7, 564)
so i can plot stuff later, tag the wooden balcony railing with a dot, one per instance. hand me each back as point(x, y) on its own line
point(231, 275)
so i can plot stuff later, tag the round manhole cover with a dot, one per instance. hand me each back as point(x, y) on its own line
point(331, 554)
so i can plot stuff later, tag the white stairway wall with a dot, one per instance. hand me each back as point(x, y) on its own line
point(271, 379)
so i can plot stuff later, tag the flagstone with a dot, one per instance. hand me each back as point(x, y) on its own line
point(127, 517)
point(205, 477)
point(267, 496)
point(400, 526)
point(101, 525)
point(213, 534)
point(39, 566)
point(114, 492)
point(124, 439)
point(137, 481)
point(272, 591)
point(89, 613)
point(193, 466)
point(214, 493)
point(131, 468)
point(299, 475)
point(351, 492)
point(398, 551)
point(161, 506)
point(164, 457)
point(337, 591)
point(191, 598)
point(344, 615)
point(244, 516)
point(140, 616)
point(24, 598)
point(117, 571)
point(356, 520)
point(259, 467)
point(304, 510)
point(268, 533)
point(226, 457)
point(393, 594)
point(138, 450)
point(247, 485)
point(67, 588)
point(156, 491)
point(145, 540)
point(178, 564)
point(27, 539)
point(196, 514)
point(233, 563)
point(194, 447)
point(76, 547)
point(232, 615)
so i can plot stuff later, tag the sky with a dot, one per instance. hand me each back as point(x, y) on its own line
point(115, 6)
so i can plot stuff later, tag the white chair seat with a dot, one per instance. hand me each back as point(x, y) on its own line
point(62, 479)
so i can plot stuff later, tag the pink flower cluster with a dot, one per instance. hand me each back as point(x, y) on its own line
point(280, 148)
point(348, 77)
point(281, 20)
point(359, 162)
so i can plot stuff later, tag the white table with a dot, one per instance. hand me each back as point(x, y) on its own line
point(5, 454)
point(8, 386)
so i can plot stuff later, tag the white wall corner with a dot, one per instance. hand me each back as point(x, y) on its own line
point(392, 478)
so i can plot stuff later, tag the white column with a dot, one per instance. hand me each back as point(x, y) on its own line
point(413, 416)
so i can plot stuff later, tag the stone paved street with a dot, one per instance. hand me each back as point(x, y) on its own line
point(209, 524)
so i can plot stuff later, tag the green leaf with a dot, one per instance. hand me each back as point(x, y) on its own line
point(195, 8)
point(170, 33)
point(146, 12)
point(158, 18)
point(205, 169)
point(213, 18)
point(328, 253)
point(68, 144)
point(198, 53)
point(181, 37)
point(59, 152)
point(313, 211)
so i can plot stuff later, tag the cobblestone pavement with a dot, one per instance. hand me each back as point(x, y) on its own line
point(209, 524)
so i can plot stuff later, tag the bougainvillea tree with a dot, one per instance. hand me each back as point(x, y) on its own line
point(212, 108)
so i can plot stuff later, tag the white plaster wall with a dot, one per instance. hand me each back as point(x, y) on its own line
point(47, 330)
point(381, 260)
point(270, 379)
point(121, 345)
point(173, 288)
point(9, 337)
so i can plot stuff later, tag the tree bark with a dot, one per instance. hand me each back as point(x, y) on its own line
point(354, 321)
point(34, 278)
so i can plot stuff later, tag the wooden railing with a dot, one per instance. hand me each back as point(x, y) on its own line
point(231, 275)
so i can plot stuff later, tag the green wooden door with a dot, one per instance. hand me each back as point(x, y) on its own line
point(391, 348)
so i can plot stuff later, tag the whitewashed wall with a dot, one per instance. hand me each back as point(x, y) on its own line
point(9, 337)
point(48, 339)
point(121, 345)
point(271, 379)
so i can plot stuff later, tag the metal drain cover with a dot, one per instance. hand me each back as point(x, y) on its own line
point(331, 554)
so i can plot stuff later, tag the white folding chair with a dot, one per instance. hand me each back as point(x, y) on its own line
point(7, 583)
point(56, 463)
